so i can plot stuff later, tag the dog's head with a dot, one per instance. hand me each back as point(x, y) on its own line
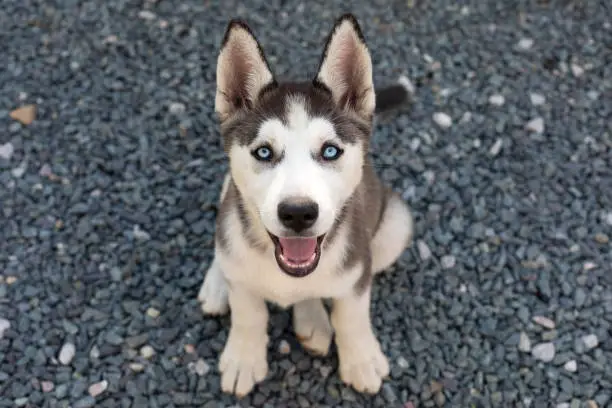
point(296, 150)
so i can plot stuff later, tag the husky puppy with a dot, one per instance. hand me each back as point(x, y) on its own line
point(303, 217)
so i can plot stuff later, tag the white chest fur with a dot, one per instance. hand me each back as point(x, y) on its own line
point(247, 266)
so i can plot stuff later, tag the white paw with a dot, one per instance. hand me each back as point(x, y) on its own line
point(362, 363)
point(213, 293)
point(243, 363)
point(312, 327)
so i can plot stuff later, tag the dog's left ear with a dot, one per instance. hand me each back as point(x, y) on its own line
point(346, 68)
point(242, 70)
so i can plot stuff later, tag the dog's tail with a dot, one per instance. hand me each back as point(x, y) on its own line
point(395, 95)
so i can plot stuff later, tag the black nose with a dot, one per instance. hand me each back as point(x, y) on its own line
point(298, 214)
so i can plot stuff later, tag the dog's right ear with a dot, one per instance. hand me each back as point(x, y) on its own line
point(242, 70)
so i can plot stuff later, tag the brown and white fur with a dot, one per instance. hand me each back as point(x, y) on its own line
point(364, 225)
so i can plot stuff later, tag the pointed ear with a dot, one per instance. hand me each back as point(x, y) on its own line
point(242, 70)
point(346, 68)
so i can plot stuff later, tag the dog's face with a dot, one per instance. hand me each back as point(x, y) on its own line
point(296, 150)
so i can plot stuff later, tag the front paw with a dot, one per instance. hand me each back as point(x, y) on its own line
point(363, 365)
point(243, 363)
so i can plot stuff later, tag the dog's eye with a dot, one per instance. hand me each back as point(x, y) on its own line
point(263, 153)
point(330, 152)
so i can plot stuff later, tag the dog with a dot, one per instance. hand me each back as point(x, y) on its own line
point(302, 216)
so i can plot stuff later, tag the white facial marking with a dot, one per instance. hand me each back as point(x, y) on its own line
point(298, 173)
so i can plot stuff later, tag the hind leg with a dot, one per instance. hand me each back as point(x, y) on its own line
point(312, 327)
point(213, 294)
point(394, 234)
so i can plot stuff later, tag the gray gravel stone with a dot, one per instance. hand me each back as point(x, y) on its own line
point(571, 366)
point(443, 120)
point(109, 199)
point(66, 353)
point(4, 326)
point(524, 344)
point(535, 125)
point(590, 341)
point(85, 402)
point(544, 351)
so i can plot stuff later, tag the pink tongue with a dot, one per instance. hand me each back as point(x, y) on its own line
point(298, 249)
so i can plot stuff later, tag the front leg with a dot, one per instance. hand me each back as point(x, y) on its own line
point(362, 362)
point(243, 362)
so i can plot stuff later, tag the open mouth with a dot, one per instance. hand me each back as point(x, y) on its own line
point(297, 256)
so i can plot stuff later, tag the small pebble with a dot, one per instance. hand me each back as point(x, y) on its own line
point(537, 99)
point(525, 44)
point(176, 108)
point(577, 70)
point(116, 274)
point(6, 151)
point(146, 15)
point(587, 266)
point(67, 353)
point(601, 238)
point(25, 114)
point(590, 341)
point(20, 170)
point(140, 234)
point(284, 347)
point(325, 371)
point(593, 95)
point(443, 120)
point(571, 366)
point(97, 388)
point(147, 351)
point(47, 386)
point(424, 251)
point(497, 100)
point(136, 367)
point(152, 312)
point(544, 352)
point(20, 402)
point(85, 402)
point(4, 326)
point(201, 367)
point(111, 39)
point(592, 404)
point(544, 322)
point(189, 348)
point(535, 125)
point(496, 147)
point(94, 353)
point(549, 335)
point(448, 261)
point(524, 343)
point(563, 405)
point(402, 362)
point(406, 83)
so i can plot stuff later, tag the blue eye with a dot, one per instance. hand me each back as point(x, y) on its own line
point(263, 153)
point(330, 152)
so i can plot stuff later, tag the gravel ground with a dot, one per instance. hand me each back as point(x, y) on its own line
point(109, 196)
